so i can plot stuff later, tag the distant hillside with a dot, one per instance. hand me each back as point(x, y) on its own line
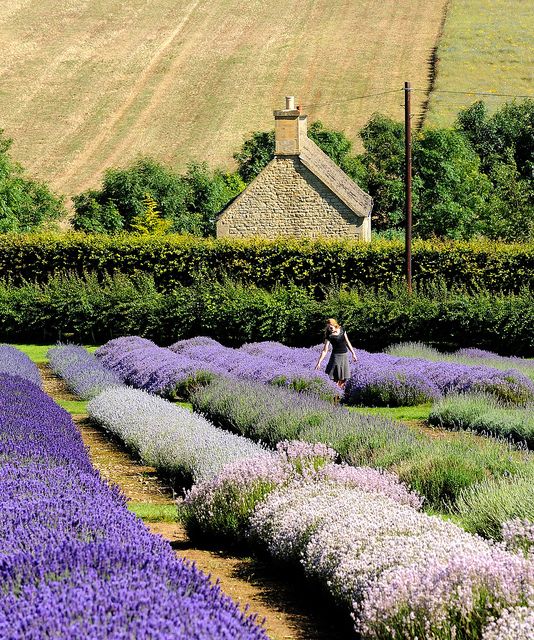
point(486, 46)
point(88, 84)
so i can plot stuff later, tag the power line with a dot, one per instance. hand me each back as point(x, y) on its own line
point(368, 95)
point(383, 93)
point(478, 93)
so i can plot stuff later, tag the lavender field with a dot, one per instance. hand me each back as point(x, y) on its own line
point(75, 562)
point(305, 480)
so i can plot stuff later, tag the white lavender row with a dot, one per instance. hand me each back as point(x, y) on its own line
point(84, 374)
point(403, 573)
point(166, 436)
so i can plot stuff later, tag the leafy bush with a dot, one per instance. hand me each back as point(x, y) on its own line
point(89, 308)
point(313, 264)
point(25, 204)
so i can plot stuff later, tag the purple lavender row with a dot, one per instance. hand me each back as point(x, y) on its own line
point(16, 363)
point(83, 373)
point(74, 563)
point(383, 379)
point(146, 366)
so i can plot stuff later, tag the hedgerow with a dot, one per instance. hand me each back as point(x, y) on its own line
point(177, 259)
point(89, 309)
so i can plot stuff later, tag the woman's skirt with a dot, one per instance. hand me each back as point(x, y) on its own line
point(338, 367)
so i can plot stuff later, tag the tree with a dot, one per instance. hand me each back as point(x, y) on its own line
point(150, 222)
point(449, 191)
point(504, 143)
point(122, 197)
point(209, 192)
point(25, 204)
point(383, 160)
point(258, 150)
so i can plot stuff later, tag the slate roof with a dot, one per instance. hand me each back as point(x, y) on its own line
point(328, 172)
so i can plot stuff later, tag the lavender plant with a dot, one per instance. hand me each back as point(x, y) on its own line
point(484, 413)
point(170, 438)
point(403, 573)
point(383, 379)
point(17, 363)
point(518, 535)
point(84, 374)
point(223, 506)
point(485, 507)
point(74, 562)
point(437, 469)
point(514, 623)
point(469, 356)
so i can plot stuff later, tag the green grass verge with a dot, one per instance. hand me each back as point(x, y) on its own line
point(418, 412)
point(74, 407)
point(154, 512)
point(37, 352)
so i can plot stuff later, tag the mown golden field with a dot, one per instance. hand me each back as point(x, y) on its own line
point(89, 84)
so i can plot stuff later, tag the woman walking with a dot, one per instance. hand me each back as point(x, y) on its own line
point(338, 367)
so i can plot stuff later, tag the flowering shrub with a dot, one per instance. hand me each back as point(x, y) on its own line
point(437, 469)
point(16, 363)
point(484, 413)
point(485, 507)
point(515, 623)
point(223, 505)
point(518, 535)
point(405, 574)
point(75, 563)
point(468, 356)
point(142, 364)
point(166, 436)
point(166, 372)
point(84, 374)
point(391, 380)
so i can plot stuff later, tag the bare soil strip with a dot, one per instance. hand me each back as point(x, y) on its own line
point(291, 607)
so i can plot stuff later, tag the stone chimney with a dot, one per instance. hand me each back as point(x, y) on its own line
point(290, 129)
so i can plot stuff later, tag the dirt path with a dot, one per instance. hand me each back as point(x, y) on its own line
point(291, 607)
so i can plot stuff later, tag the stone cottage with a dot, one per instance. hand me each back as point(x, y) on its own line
point(300, 193)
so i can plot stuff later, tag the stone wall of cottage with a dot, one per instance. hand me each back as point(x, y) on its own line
point(286, 199)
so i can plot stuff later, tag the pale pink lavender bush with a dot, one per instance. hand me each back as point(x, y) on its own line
point(518, 535)
point(374, 480)
point(404, 573)
point(223, 504)
point(515, 623)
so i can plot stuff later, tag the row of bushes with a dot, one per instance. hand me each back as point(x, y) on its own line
point(87, 310)
point(178, 259)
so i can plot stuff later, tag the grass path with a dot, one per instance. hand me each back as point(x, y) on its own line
point(291, 609)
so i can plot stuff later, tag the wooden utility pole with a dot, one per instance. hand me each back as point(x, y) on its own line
point(408, 181)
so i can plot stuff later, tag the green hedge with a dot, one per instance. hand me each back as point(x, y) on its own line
point(174, 260)
point(88, 309)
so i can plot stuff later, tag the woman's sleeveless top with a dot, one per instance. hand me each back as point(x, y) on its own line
point(338, 342)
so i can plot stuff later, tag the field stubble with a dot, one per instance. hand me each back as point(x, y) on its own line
point(90, 85)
